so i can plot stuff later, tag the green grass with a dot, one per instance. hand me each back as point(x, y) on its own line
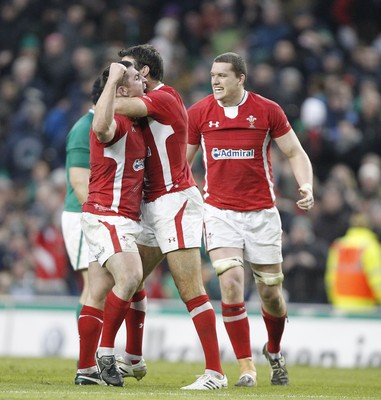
point(52, 378)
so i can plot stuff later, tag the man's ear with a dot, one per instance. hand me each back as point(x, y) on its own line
point(122, 91)
point(145, 71)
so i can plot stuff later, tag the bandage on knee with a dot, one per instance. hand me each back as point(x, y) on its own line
point(268, 278)
point(220, 266)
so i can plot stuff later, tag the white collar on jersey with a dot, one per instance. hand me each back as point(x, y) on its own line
point(244, 97)
point(232, 111)
point(160, 85)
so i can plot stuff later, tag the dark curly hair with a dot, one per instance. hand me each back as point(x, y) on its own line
point(145, 54)
point(100, 82)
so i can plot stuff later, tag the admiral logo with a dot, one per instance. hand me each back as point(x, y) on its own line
point(226, 154)
point(138, 164)
point(216, 124)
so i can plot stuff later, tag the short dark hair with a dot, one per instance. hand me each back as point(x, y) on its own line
point(97, 90)
point(237, 62)
point(146, 54)
point(103, 78)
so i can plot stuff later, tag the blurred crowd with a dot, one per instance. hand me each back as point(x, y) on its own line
point(320, 60)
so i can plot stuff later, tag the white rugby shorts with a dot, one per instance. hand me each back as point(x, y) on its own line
point(258, 233)
point(75, 242)
point(108, 235)
point(173, 221)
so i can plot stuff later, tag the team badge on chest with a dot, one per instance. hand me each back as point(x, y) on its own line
point(251, 120)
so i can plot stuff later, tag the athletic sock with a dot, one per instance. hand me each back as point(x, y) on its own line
point(89, 328)
point(114, 313)
point(275, 328)
point(204, 319)
point(237, 326)
point(135, 323)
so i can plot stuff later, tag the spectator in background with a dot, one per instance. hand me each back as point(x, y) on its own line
point(271, 28)
point(342, 176)
point(49, 251)
point(369, 178)
point(55, 65)
point(304, 262)
point(167, 42)
point(369, 120)
point(24, 143)
point(332, 214)
point(353, 275)
point(374, 212)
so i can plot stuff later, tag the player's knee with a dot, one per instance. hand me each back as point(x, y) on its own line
point(268, 278)
point(220, 266)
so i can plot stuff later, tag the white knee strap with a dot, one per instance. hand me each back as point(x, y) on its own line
point(268, 278)
point(220, 266)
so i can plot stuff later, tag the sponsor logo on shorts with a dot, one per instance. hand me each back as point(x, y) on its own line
point(138, 164)
point(126, 239)
point(232, 154)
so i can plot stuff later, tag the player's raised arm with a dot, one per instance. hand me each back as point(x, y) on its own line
point(104, 124)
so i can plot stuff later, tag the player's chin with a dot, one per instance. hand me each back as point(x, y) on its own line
point(219, 95)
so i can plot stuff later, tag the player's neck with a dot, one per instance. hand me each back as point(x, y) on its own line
point(234, 102)
point(151, 85)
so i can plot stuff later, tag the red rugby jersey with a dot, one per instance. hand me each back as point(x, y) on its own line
point(236, 150)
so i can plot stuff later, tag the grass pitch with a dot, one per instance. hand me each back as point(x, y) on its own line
point(53, 378)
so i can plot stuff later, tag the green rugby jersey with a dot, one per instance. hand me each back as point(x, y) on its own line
point(77, 155)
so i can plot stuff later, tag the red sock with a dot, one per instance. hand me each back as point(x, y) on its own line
point(275, 328)
point(204, 319)
point(135, 323)
point(114, 313)
point(237, 327)
point(89, 327)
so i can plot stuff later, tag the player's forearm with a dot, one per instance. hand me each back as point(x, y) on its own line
point(302, 169)
point(131, 107)
point(104, 114)
point(79, 179)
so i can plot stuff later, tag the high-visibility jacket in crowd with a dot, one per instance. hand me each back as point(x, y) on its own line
point(353, 275)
